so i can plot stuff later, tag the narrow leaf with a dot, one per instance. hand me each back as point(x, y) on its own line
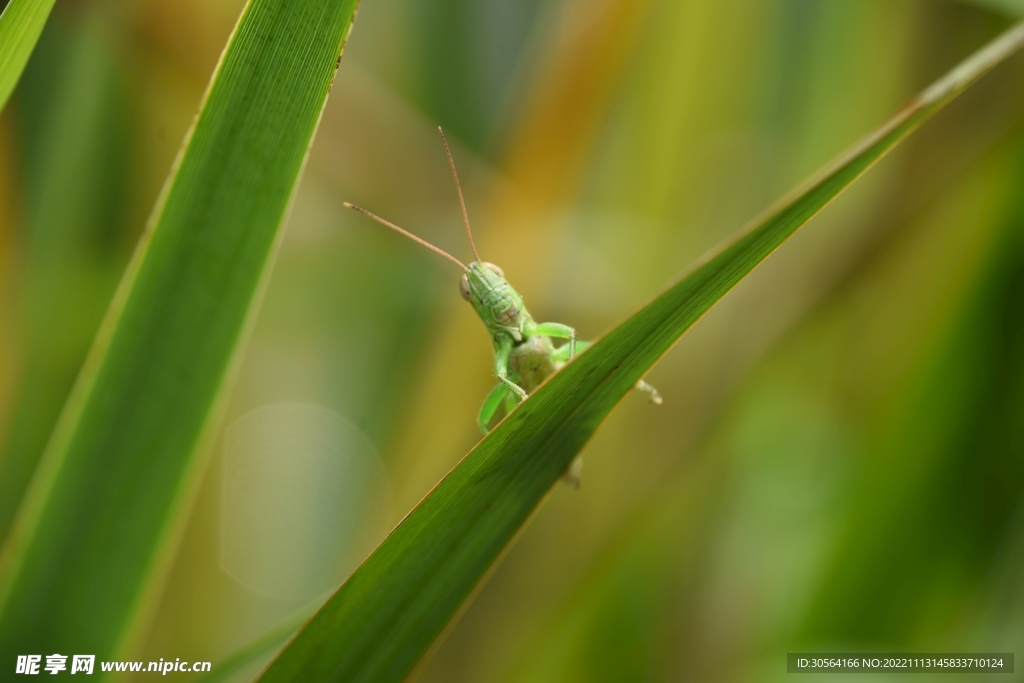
point(21, 23)
point(90, 545)
point(380, 623)
point(76, 144)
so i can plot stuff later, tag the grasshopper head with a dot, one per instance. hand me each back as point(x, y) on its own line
point(479, 279)
point(483, 284)
point(498, 305)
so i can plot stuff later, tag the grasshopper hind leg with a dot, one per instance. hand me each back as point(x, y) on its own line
point(491, 405)
point(499, 394)
point(511, 401)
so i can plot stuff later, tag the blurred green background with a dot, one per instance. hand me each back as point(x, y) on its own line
point(839, 462)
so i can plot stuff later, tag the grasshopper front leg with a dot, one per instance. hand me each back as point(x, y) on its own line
point(557, 330)
point(652, 394)
point(561, 354)
point(502, 350)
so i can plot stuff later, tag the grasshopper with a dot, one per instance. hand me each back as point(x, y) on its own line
point(524, 355)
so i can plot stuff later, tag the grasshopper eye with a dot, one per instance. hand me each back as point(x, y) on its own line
point(494, 269)
point(464, 287)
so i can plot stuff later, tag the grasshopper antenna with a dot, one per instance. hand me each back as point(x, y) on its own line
point(465, 215)
point(408, 234)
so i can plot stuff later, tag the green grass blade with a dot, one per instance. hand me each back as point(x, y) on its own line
point(20, 26)
point(78, 152)
point(92, 541)
point(381, 622)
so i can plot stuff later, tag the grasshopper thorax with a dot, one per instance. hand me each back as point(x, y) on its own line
point(499, 305)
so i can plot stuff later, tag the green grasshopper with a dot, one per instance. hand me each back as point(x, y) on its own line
point(524, 355)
